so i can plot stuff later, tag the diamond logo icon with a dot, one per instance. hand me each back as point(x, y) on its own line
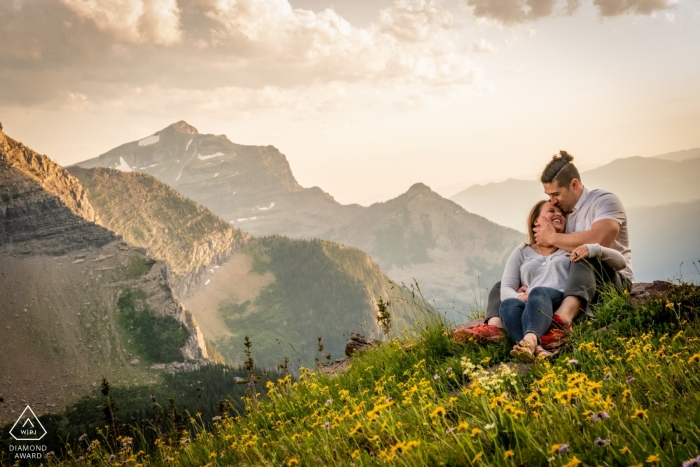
point(28, 427)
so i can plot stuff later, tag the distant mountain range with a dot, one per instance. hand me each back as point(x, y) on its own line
point(418, 235)
point(640, 182)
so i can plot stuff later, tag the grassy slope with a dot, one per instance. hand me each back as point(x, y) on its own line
point(627, 395)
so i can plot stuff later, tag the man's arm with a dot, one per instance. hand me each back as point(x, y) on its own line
point(602, 232)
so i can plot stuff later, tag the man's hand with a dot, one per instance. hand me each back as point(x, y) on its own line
point(522, 296)
point(579, 253)
point(544, 233)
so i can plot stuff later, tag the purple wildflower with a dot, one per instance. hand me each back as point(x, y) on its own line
point(111, 458)
point(436, 377)
point(167, 458)
point(449, 430)
point(689, 463)
point(564, 448)
point(329, 402)
point(82, 437)
point(572, 361)
point(449, 369)
point(81, 459)
point(629, 380)
point(185, 441)
point(389, 399)
point(217, 418)
point(607, 376)
point(602, 442)
point(327, 425)
point(600, 416)
point(49, 454)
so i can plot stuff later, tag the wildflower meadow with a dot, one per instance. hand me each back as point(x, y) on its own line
point(624, 392)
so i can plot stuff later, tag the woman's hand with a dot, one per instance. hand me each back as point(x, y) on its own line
point(579, 253)
point(523, 293)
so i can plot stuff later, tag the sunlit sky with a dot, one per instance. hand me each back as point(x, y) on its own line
point(364, 98)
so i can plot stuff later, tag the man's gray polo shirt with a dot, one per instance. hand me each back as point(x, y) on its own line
point(595, 205)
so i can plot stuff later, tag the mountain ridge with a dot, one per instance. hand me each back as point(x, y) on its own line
point(246, 192)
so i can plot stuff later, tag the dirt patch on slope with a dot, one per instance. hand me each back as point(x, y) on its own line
point(233, 280)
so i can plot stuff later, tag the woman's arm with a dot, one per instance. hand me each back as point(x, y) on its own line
point(612, 258)
point(510, 282)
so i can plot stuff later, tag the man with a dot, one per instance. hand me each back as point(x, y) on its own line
point(593, 216)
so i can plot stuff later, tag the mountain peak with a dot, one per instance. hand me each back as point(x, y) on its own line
point(419, 187)
point(183, 127)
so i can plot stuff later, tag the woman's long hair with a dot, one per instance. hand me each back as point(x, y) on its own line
point(534, 214)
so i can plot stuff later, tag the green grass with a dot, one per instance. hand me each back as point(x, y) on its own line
point(154, 338)
point(138, 266)
point(626, 391)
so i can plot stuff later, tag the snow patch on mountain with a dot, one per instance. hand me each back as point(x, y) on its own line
point(147, 141)
point(188, 144)
point(269, 207)
point(123, 166)
point(211, 156)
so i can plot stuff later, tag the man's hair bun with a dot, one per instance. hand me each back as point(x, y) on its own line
point(560, 169)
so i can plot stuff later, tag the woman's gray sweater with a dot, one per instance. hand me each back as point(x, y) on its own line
point(527, 267)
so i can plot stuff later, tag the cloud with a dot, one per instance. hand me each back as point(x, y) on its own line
point(415, 20)
point(641, 7)
point(157, 21)
point(482, 45)
point(511, 12)
point(80, 53)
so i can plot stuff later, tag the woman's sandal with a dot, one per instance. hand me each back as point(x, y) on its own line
point(525, 353)
point(543, 353)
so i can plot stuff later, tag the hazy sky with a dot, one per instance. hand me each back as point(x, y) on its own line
point(364, 97)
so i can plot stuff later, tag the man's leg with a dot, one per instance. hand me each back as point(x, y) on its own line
point(581, 290)
point(578, 292)
point(494, 303)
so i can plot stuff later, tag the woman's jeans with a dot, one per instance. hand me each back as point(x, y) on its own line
point(535, 315)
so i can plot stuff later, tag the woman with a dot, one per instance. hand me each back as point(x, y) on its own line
point(542, 272)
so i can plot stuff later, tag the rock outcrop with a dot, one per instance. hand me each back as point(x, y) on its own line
point(61, 276)
point(39, 200)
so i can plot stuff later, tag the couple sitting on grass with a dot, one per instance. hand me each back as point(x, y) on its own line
point(578, 241)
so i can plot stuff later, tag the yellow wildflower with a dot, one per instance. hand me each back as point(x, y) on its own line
point(292, 461)
point(639, 413)
point(462, 426)
point(477, 457)
point(508, 453)
point(624, 450)
point(694, 358)
point(356, 429)
point(438, 411)
point(475, 432)
point(355, 453)
point(573, 462)
point(554, 448)
point(653, 459)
